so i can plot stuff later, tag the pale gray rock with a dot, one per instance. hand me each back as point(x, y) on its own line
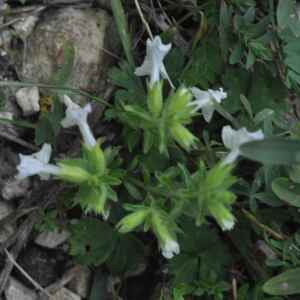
point(5, 209)
point(16, 291)
point(65, 294)
point(52, 239)
point(7, 230)
point(14, 188)
point(92, 34)
point(82, 282)
point(28, 100)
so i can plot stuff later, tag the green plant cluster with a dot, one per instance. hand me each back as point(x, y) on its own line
point(228, 228)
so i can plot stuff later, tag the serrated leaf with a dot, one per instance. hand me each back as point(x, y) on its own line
point(127, 256)
point(92, 241)
point(236, 82)
point(205, 65)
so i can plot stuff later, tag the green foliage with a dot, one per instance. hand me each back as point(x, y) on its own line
point(225, 228)
point(273, 151)
point(287, 283)
point(205, 65)
point(92, 241)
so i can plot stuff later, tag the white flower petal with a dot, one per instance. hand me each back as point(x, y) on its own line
point(229, 137)
point(32, 165)
point(170, 249)
point(44, 154)
point(227, 224)
point(153, 63)
point(218, 95)
point(76, 115)
point(231, 157)
point(204, 100)
point(233, 139)
point(207, 112)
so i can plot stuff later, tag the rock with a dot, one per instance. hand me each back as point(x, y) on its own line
point(7, 126)
point(65, 294)
point(42, 265)
point(7, 230)
point(14, 188)
point(82, 282)
point(90, 31)
point(8, 162)
point(17, 291)
point(25, 26)
point(52, 239)
point(28, 99)
point(5, 209)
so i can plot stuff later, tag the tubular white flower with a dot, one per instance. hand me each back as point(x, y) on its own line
point(233, 139)
point(170, 249)
point(37, 164)
point(153, 63)
point(205, 101)
point(76, 115)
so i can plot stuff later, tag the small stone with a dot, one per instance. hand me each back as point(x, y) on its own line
point(25, 26)
point(14, 188)
point(52, 239)
point(16, 291)
point(28, 99)
point(5, 232)
point(81, 282)
point(65, 294)
point(5, 209)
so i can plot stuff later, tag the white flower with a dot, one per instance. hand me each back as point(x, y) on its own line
point(233, 139)
point(76, 115)
point(205, 101)
point(37, 164)
point(170, 249)
point(153, 63)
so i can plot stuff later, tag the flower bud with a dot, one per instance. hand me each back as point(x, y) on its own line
point(73, 174)
point(132, 220)
point(96, 159)
point(182, 136)
point(155, 98)
point(222, 215)
point(178, 102)
point(167, 239)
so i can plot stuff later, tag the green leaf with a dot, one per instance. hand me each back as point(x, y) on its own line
point(127, 256)
point(122, 26)
point(287, 191)
point(284, 9)
point(99, 288)
point(276, 151)
point(266, 91)
point(92, 241)
point(205, 65)
point(236, 82)
point(287, 283)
